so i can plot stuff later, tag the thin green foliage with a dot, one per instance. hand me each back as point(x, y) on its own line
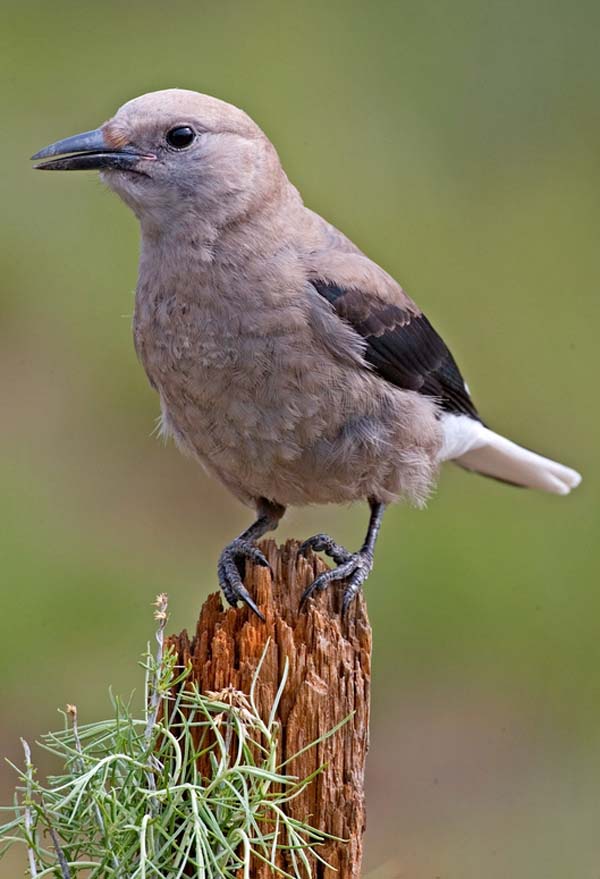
point(190, 788)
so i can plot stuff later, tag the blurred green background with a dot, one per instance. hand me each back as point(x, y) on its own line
point(459, 144)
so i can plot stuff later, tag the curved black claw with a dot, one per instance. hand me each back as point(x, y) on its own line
point(353, 567)
point(230, 570)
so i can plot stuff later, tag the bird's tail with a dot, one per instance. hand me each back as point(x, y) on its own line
point(477, 448)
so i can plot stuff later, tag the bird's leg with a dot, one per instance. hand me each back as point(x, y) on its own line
point(353, 567)
point(232, 560)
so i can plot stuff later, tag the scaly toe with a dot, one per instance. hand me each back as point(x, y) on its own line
point(354, 570)
point(354, 586)
point(230, 568)
point(321, 582)
point(325, 543)
point(252, 552)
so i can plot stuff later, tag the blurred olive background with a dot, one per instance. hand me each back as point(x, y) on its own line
point(459, 144)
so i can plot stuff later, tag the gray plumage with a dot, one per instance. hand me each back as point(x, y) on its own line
point(289, 364)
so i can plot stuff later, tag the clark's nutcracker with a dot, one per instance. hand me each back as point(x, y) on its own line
point(294, 368)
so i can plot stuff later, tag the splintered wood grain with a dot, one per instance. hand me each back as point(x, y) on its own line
point(329, 679)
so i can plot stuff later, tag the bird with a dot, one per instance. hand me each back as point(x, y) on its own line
point(295, 369)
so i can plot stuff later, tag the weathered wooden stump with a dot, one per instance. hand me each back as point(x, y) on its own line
point(329, 679)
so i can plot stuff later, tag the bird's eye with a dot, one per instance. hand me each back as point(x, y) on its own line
point(180, 137)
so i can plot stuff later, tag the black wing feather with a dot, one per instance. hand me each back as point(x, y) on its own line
point(402, 347)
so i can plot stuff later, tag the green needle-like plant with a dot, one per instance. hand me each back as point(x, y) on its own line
point(190, 788)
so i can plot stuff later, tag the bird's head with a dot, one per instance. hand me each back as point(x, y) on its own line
point(174, 153)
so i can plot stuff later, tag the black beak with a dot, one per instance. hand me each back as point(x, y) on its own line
point(90, 151)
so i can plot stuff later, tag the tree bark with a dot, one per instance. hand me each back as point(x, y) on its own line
point(329, 679)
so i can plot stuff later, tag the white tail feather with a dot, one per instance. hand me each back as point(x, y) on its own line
point(477, 448)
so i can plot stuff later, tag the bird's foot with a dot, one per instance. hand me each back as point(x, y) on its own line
point(353, 567)
point(230, 570)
